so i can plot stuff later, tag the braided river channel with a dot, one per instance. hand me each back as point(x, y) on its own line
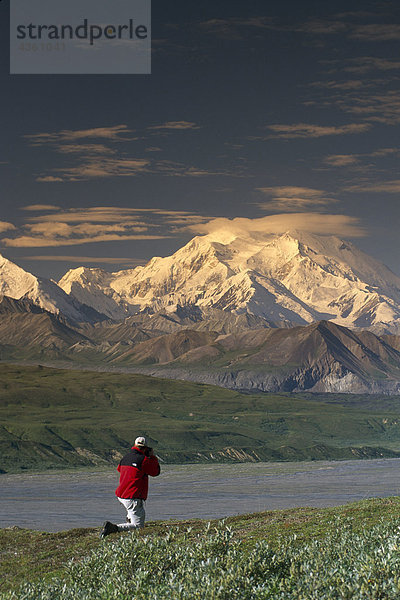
point(55, 501)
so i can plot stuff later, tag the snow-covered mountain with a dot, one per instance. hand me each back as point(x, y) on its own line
point(291, 278)
point(19, 284)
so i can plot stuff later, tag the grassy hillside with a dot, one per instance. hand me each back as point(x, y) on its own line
point(62, 418)
point(344, 552)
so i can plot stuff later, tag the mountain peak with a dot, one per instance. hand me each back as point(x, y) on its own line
point(293, 277)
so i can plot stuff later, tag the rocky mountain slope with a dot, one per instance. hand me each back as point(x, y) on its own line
point(28, 331)
point(321, 357)
point(293, 278)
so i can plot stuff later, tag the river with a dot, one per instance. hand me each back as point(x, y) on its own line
point(56, 501)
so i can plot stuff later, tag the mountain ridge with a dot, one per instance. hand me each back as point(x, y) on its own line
point(320, 357)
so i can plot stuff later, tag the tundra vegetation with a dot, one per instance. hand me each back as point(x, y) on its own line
point(350, 552)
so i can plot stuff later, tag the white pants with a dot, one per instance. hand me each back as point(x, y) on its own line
point(135, 514)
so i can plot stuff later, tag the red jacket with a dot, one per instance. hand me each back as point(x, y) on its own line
point(134, 469)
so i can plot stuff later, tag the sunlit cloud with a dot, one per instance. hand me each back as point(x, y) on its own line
point(49, 179)
point(42, 242)
point(343, 25)
point(77, 226)
point(175, 169)
point(293, 199)
point(176, 125)
point(322, 27)
point(341, 160)
point(322, 224)
point(90, 260)
point(40, 207)
point(385, 152)
point(388, 187)
point(376, 32)
point(113, 133)
point(374, 108)
point(351, 84)
point(4, 226)
point(304, 130)
point(102, 167)
point(58, 229)
point(86, 160)
point(355, 14)
point(363, 64)
point(108, 214)
point(361, 161)
point(86, 149)
point(235, 28)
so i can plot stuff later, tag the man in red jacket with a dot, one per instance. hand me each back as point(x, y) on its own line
point(134, 469)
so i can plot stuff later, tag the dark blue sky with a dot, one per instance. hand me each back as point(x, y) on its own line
point(252, 110)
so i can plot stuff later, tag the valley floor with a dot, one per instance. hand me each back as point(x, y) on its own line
point(54, 418)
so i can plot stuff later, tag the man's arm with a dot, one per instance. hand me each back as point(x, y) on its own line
point(150, 465)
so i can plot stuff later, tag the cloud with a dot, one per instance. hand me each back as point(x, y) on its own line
point(322, 27)
point(175, 169)
point(357, 14)
point(98, 214)
point(176, 125)
point(387, 187)
point(101, 167)
point(375, 108)
point(349, 25)
point(113, 133)
point(385, 152)
point(107, 214)
point(292, 191)
point(86, 149)
point(58, 229)
point(376, 32)
point(48, 179)
point(40, 207)
point(322, 224)
point(42, 242)
point(4, 226)
point(84, 160)
point(304, 130)
point(182, 222)
point(234, 28)
point(359, 161)
point(352, 84)
point(363, 64)
point(341, 160)
point(134, 262)
point(291, 198)
point(75, 227)
point(88, 226)
point(92, 160)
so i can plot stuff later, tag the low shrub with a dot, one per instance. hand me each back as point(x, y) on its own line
point(216, 566)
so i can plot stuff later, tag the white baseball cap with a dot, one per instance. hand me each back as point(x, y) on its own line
point(140, 441)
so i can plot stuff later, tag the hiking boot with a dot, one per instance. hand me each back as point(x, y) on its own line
point(108, 528)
